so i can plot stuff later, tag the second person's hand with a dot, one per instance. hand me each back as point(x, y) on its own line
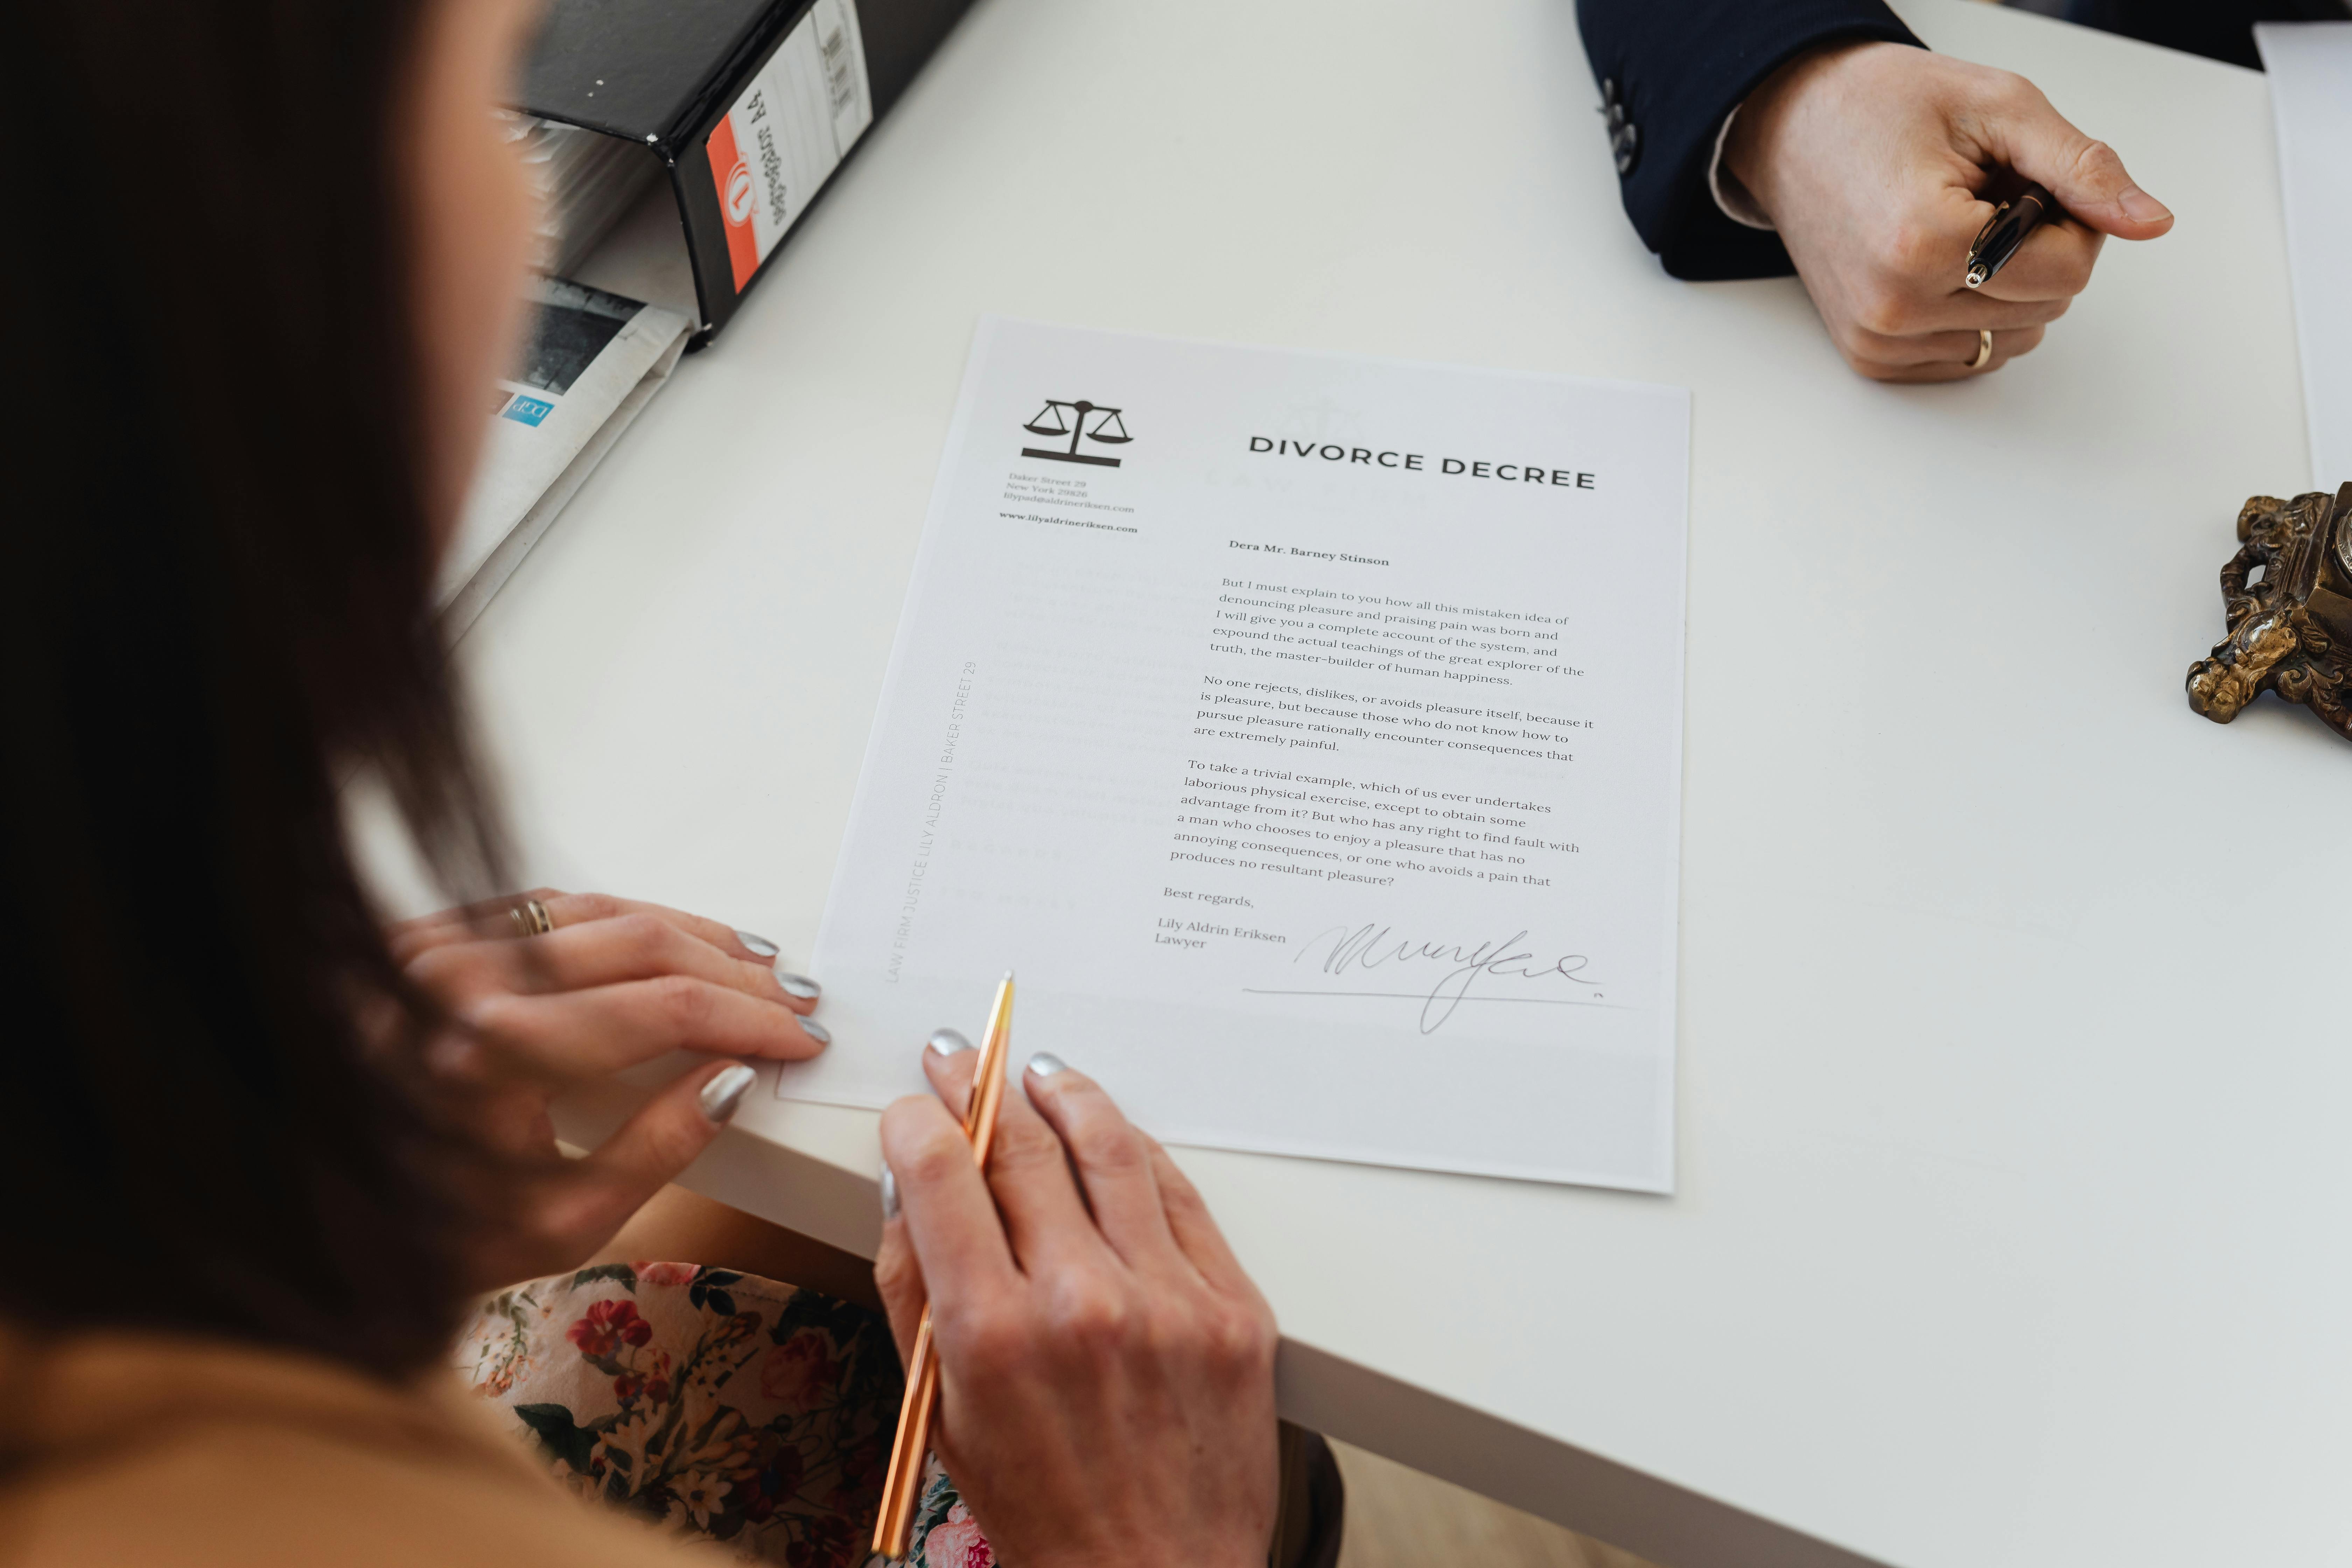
point(1873, 162)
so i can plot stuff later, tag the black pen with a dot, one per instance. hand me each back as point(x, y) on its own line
point(2003, 232)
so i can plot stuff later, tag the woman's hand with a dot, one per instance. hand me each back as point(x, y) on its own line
point(1872, 160)
point(614, 984)
point(1106, 1368)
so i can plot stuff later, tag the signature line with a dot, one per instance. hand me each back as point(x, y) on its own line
point(1420, 996)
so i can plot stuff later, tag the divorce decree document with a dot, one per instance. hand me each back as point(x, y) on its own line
point(1305, 732)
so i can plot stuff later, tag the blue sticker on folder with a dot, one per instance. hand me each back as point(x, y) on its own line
point(527, 410)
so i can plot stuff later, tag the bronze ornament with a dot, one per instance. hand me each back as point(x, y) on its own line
point(2292, 632)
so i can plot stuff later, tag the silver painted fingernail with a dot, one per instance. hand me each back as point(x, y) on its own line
point(759, 945)
point(947, 1042)
point(799, 986)
point(890, 1194)
point(1046, 1064)
point(817, 1031)
point(722, 1094)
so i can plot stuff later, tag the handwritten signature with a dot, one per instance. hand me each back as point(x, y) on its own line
point(1374, 947)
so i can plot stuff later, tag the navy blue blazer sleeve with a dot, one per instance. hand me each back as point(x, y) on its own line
point(1672, 70)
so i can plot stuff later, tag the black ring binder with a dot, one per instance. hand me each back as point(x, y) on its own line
point(667, 75)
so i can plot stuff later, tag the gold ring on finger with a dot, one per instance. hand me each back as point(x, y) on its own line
point(1984, 349)
point(530, 919)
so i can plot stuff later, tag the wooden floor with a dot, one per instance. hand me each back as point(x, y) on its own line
point(1399, 1518)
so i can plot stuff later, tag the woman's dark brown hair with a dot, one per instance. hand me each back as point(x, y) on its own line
point(219, 609)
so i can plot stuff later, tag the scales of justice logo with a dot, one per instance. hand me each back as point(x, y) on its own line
point(1084, 421)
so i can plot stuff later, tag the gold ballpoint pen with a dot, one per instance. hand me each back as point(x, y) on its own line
point(903, 1480)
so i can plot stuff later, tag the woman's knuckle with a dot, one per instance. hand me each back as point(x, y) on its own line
point(1024, 1146)
point(674, 1141)
point(1237, 1338)
point(990, 1338)
point(439, 969)
point(640, 934)
point(490, 1012)
point(933, 1161)
point(1113, 1151)
point(1090, 1319)
point(1183, 1202)
point(682, 1000)
point(910, 1122)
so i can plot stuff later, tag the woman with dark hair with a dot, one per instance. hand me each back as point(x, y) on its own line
point(266, 1153)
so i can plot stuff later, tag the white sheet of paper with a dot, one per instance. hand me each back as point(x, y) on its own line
point(1306, 731)
point(2310, 68)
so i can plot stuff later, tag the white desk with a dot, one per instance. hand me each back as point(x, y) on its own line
point(2014, 1085)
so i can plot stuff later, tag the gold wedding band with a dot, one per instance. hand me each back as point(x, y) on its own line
point(530, 919)
point(1984, 349)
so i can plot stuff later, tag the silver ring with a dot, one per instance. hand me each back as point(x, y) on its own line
point(1984, 349)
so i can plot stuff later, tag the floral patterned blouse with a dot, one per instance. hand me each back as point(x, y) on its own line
point(727, 1409)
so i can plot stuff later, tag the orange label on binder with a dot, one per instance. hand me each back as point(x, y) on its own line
point(798, 117)
point(737, 201)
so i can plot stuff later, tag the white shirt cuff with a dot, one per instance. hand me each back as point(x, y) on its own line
point(1730, 196)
